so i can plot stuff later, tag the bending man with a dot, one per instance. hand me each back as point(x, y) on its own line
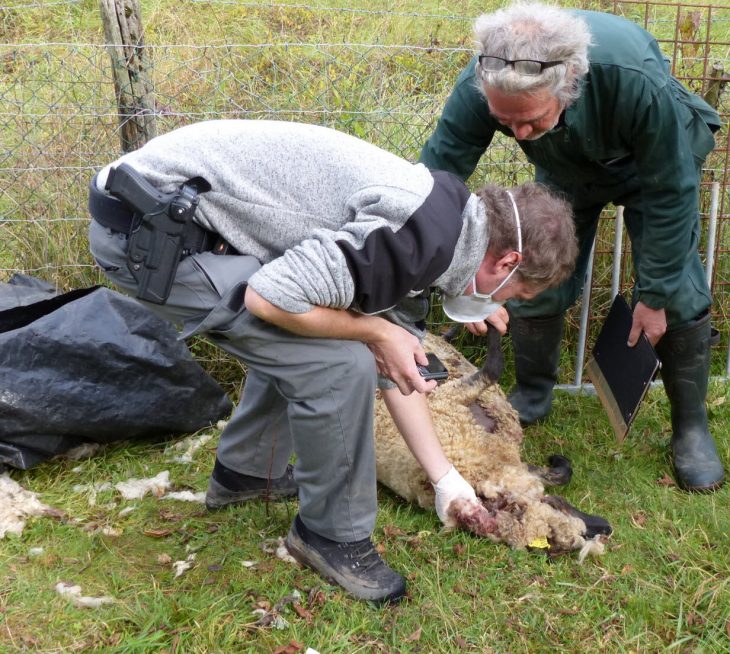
point(339, 244)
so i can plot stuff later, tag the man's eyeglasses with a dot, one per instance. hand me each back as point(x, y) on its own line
point(530, 67)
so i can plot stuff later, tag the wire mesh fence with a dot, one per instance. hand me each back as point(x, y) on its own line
point(366, 68)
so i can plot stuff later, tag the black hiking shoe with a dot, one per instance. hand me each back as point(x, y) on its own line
point(355, 566)
point(227, 486)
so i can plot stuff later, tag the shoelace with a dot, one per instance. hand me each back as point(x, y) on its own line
point(364, 555)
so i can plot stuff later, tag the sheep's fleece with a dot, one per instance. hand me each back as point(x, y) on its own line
point(481, 435)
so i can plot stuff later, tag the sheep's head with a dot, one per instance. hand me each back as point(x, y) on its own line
point(550, 523)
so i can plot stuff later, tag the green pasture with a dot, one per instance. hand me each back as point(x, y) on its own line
point(663, 585)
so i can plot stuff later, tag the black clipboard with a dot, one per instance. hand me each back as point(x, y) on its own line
point(621, 374)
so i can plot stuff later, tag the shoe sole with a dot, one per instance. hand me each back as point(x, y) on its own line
point(711, 488)
point(312, 559)
point(705, 488)
point(218, 497)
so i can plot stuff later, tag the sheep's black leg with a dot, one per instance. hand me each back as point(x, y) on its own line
point(451, 333)
point(595, 525)
point(557, 473)
point(493, 365)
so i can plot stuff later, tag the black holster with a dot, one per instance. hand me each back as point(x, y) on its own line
point(157, 237)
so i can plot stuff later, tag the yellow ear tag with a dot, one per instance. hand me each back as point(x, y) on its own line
point(540, 543)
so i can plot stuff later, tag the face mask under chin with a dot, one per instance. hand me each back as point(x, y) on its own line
point(469, 308)
point(478, 306)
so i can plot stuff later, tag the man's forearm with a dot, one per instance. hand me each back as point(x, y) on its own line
point(396, 351)
point(413, 419)
point(319, 322)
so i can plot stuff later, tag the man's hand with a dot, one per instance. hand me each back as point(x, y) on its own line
point(499, 320)
point(397, 352)
point(653, 322)
point(450, 487)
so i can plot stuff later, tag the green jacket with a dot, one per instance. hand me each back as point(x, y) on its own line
point(632, 124)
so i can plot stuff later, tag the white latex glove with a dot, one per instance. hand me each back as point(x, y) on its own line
point(450, 487)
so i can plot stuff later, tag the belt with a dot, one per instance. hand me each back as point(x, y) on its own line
point(117, 216)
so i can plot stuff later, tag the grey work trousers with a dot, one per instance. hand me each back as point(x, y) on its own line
point(313, 396)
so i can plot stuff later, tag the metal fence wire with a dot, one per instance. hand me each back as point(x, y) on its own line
point(368, 69)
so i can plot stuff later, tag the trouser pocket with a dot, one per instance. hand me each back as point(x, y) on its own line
point(227, 277)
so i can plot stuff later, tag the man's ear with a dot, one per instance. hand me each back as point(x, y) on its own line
point(509, 260)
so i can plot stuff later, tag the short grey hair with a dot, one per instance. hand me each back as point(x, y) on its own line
point(549, 244)
point(535, 31)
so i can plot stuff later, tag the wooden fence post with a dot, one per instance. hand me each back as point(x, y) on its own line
point(718, 81)
point(130, 60)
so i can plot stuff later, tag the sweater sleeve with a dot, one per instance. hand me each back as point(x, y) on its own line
point(312, 273)
point(387, 249)
point(464, 130)
point(668, 172)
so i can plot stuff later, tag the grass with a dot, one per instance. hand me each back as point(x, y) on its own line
point(662, 586)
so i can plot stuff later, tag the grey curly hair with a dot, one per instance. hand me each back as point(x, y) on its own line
point(535, 31)
point(549, 245)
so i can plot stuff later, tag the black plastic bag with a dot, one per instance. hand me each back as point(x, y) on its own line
point(92, 365)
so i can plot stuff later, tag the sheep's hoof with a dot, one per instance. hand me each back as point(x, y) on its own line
point(558, 472)
point(451, 333)
point(595, 524)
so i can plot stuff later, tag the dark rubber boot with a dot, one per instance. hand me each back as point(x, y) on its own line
point(685, 357)
point(536, 346)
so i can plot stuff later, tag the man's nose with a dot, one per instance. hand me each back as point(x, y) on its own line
point(521, 130)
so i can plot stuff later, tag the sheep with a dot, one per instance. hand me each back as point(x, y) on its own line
point(481, 435)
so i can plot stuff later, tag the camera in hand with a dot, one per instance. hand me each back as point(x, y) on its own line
point(435, 368)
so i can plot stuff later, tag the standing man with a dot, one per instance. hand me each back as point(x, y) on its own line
point(309, 257)
point(589, 98)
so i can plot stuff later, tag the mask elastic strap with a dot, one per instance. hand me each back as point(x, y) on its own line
point(488, 296)
point(517, 220)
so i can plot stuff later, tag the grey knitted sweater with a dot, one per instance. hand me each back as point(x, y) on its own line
point(335, 221)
